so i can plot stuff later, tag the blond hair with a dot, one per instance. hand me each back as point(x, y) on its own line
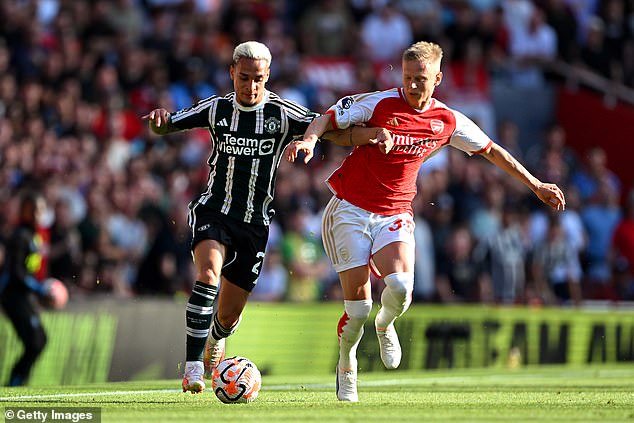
point(252, 50)
point(424, 51)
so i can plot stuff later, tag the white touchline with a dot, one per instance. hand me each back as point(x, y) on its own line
point(388, 382)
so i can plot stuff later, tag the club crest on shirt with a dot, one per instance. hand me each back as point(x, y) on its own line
point(436, 126)
point(272, 125)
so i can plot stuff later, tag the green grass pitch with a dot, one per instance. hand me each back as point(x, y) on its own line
point(538, 394)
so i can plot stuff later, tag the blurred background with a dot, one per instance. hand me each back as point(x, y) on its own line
point(550, 80)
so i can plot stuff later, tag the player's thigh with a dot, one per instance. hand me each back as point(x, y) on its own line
point(395, 257)
point(347, 240)
point(209, 256)
point(394, 244)
point(25, 319)
point(210, 242)
point(355, 283)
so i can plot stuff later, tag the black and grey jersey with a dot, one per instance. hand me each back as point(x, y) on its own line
point(246, 148)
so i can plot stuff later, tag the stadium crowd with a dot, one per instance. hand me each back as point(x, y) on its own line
point(76, 75)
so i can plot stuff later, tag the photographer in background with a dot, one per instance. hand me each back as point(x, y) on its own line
point(17, 282)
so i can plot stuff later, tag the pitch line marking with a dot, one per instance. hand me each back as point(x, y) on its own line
point(386, 382)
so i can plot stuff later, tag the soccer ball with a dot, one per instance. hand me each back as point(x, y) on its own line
point(56, 294)
point(236, 380)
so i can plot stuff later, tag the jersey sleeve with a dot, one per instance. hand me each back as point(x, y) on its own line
point(351, 110)
point(299, 117)
point(196, 116)
point(468, 137)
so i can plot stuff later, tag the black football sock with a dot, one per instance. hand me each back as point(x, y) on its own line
point(218, 331)
point(198, 317)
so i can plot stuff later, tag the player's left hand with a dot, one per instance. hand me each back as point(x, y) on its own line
point(551, 195)
point(305, 146)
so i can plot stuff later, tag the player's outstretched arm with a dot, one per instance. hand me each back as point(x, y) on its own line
point(158, 121)
point(549, 193)
point(314, 131)
point(361, 135)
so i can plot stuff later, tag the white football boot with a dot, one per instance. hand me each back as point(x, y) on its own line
point(347, 384)
point(389, 346)
point(214, 353)
point(193, 379)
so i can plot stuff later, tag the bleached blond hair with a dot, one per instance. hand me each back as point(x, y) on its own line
point(252, 50)
point(424, 51)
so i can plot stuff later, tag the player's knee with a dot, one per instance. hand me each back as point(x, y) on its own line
point(206, 274)
point(400, 283)
point(359, 309)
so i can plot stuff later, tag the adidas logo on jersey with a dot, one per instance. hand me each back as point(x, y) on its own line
point(223, 122)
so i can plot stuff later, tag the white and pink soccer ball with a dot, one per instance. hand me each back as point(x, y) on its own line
point(236, 380)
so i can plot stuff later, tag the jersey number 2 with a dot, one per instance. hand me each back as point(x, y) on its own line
point(256, 266)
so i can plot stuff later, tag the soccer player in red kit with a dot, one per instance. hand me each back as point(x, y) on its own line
point(368, 225)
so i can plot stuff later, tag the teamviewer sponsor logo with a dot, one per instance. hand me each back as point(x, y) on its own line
point(242, 146)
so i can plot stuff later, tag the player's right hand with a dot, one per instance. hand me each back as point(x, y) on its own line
point(157, 118)
point(384, 140)
point(306, 146)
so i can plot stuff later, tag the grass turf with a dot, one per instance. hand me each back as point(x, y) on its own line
point(544, 394)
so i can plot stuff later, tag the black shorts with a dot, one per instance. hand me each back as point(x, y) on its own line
point(245, 243)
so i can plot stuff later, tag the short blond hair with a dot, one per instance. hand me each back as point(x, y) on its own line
point(424, 51)
point(252, 50)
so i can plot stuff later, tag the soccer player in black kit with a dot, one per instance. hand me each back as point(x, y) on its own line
point(250, 128)
point(17, 283)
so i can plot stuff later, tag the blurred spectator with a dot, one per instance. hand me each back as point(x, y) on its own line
point(561, 17)
point(506, 253)
point(304, 257)
point(65, 245)
point(385, 19)
point(508, 137)
point(600, 217)
point(556, 269)
point(593, 173)
point(327, 29)
point(158, 266)
point(425, 266)
point(552, 158)
point(616, 28)
point(594, 55)
point(460, 276)
point(193, 87)
point(622, 252)
point(426, 18)
point(462, 31)
point(486, 221)
point(532, 46)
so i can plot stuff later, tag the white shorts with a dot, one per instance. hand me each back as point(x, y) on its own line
point(352, 235)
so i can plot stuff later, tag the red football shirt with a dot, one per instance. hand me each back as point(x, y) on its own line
point(386, 183)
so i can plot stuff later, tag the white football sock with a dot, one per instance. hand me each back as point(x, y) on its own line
point(350, 330)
